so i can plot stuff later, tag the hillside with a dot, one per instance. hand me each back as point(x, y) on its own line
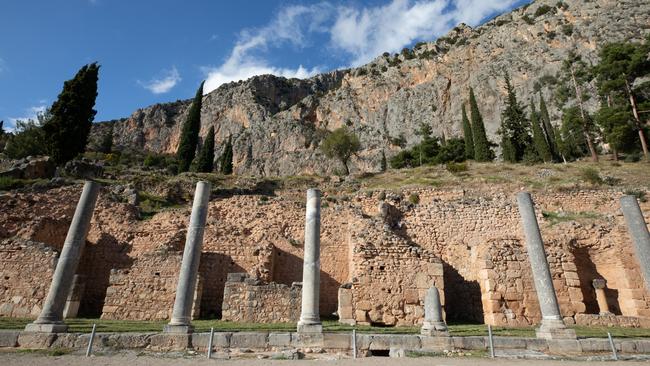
point(276, 124)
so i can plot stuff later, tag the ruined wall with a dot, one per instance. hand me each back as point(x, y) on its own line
point(26, 269)
point(248, 299)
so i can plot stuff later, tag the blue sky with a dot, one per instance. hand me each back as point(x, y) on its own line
point(153, 51)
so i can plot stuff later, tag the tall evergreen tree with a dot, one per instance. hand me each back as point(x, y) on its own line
point(190, 133)
point(514, 127)
point(205, 161)
point(482, 150)
point(539, 137)
point(549, 131)
point(225, 162)
point(468, 136)
point(621, 64)
point(66, 132)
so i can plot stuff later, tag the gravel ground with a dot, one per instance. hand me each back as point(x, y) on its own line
point(134, 359)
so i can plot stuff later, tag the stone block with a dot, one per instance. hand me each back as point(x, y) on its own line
point(473, 342)
point(279, 339)
point(595, 345)
point(69, 340)
point(249, 340)
point(9, 338)
point(411, 296)
point(341, 341)
point(36, 340)
point(386, 341)
point(307, 340)
point(509, 343)
point(534, 344)
point(220, 340)
point(564, 346)
point(123, 340)
point(436, 344)
point(170, 342)
point(364, 305)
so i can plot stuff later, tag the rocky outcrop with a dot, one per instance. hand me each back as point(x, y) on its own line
point(276, 124)
point(31, 168)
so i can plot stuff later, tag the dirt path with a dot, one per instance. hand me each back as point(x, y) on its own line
point(132, 359)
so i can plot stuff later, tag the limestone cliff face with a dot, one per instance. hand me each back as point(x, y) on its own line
point(276, 124)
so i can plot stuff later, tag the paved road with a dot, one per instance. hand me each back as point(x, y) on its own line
point(133, 359)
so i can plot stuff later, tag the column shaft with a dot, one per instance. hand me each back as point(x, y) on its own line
point(310, 314)
point(433, 324)
point(639, 232)
point(51, 317)
point(187, 278)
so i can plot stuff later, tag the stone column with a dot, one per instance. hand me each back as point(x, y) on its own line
point(433, 324)
point(51, 318)
point(310, 314)
point(552, 326)
point(182, 313)
point(599, 286)
point(71, 308)
point(639, 232)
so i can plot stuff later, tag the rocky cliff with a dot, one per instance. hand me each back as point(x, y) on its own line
point(276, 124)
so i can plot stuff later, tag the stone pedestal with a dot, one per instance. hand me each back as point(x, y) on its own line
point(51, 318)
point(186, 288)
point(310, 314)
point(433, 324)
point(639, 232)
point(552, 326)
point(599, 286)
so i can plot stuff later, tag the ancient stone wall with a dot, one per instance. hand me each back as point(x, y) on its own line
point(26, 269)
point(248, 299)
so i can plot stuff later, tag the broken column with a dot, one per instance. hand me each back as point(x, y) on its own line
point(599, 286)
point(310, 314)
point(552, 326)
point(639, 232)
point(187, 278)
point(433, 324)
point(51, 318)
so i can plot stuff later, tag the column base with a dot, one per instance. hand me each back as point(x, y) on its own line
point(310, 328)
point(438, 329)
point(47, 327)
point(554, 329)
point(178, 329)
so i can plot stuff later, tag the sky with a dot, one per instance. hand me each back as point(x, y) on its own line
point(154, 51)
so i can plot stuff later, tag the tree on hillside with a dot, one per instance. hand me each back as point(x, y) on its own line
point(28, 138)
point(621, 64)
point(539, 138)
point(225, 161)
point(482, 149)
point(66, 131)
point(573, 143)
point(514, 127)
point(615, 119)
point(467, 134)
point(190, 133)
point(205, 160)
point(341, 144)
point(574, 75)
point(549, 131)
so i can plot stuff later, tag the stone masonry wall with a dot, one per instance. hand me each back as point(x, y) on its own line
point(248, 299)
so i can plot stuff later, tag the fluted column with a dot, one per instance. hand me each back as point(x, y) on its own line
point(310, 314)
point(187, 278)
point(552, 324)
point(51, 318)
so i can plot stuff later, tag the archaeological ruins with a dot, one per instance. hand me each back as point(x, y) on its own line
point(382, 260)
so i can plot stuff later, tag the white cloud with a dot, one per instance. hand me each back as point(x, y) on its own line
point(163, 84)
point(359, 34)
point(30, 113)
point(290, 27)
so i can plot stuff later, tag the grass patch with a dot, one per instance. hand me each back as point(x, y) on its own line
point(151, 205)
point(557, 217)
point(9, 183)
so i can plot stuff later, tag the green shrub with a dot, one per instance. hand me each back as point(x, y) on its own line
point(414, 198)
point(455, 168)
point(567, 29)
point(639, 194)
point(8, 183)
point(632, 158)
point(528, 19)
point(543, 9)
point(591, 175)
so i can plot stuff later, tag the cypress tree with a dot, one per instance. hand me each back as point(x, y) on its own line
point(225, 162)
point(66, 131)
point(190, 133)
point(205, 161)
point(467, 133)
point(549, 131)
point(514, 127)
point(539, 138)
point(482, 150)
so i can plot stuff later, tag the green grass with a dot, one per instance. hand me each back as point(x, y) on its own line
point(556, 217)
point(459, 330)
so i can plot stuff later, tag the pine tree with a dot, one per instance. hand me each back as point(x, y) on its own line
point(482, 150)
point(514, 127)
point(539, 138)
point(549, 131)
point(190, 133)
point(467, 133)
point(205, 160)
point(225, 162)
point(66, 132)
